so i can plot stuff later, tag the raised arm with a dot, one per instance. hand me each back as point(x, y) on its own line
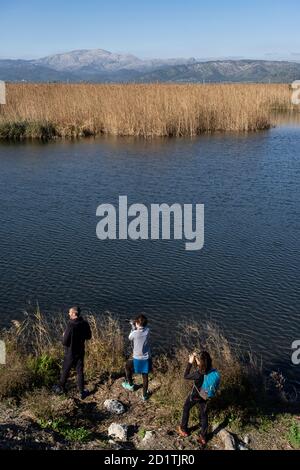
point(188, 375)
point(133, 331)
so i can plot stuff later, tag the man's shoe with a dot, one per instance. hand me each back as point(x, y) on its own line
point(128, 387)
point(84, 394)
point(182, 433)
point(58, 390)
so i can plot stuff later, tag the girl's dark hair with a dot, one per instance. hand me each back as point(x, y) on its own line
point(205, 362)
point(141, 320)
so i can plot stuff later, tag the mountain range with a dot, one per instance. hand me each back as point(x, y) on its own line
point(100, 66)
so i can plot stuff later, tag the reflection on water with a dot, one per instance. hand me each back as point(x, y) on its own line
point(247, 276)
point(286, 119)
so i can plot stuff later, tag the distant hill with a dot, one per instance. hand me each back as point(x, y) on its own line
point(228, 71)
point(25, 70)
point(104, 61)
point(103, 66)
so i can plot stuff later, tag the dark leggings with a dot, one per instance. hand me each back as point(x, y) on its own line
point(129, 370)
point(70, 363)
point(189, 404)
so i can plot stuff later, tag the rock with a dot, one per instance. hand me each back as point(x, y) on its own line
point(118, 431)
point(114, 406)
point(114, 445)
point(148, 436)
point(241, 446)
point(227, 439)
point(246, 440)
point(154, 385)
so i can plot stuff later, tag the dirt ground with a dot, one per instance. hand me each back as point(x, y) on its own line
point(20, 430)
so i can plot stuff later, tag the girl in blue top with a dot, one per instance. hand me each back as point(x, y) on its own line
point(206, 383)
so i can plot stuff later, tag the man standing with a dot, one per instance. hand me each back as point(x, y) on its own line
point(77, 332)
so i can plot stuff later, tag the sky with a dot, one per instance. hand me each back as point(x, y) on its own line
point(156, 28)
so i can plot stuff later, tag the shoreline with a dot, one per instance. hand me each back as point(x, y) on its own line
point(248, 404)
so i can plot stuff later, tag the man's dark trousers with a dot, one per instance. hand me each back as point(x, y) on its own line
point(69, 364)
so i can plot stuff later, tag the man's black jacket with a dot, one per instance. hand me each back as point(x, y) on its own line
point(77, 332)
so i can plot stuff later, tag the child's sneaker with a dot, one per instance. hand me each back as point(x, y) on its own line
point(145, 397)
point(128, 387)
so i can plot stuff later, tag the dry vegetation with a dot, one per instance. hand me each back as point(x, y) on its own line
point(48, 111)
point(35, 352)
point(243, 383)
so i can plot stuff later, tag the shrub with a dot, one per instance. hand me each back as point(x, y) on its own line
point(105, 351)
point(65, 429)
point(15, 378)
point(294, 435)
point(45, 369)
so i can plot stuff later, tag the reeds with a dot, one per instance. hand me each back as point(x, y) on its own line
point(46, 111)
point(243, 384)
point(35, 351)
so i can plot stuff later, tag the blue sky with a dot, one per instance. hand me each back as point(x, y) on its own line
point(165, 28)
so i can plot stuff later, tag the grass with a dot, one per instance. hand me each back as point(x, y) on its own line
point(294, 435)
point(35, 352)
point(142, 433)
point(66, 430)
point(47, 111)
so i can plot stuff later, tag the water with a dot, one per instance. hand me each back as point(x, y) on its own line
point(246, 279)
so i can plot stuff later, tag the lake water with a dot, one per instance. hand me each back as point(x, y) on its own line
point(246, 279)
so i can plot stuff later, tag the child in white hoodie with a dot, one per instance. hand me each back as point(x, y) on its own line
point(141, 362)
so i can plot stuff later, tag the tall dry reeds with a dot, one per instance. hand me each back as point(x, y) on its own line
point(35, 351)
point(74, 110)
point(242, 381)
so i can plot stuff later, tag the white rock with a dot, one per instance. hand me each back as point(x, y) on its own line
point(114, 406)
point(118, 431)
point(242, 447)
point(115, 445)
point(228, 439)
point(246, 440)
point(148, 436)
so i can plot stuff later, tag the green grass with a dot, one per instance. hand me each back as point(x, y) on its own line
point(27, 130)
point(66, 430)
point(294, 435)
point(142, 433)
point(45, 370)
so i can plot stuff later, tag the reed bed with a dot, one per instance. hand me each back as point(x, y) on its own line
point(35, 351)
point(46, 111)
